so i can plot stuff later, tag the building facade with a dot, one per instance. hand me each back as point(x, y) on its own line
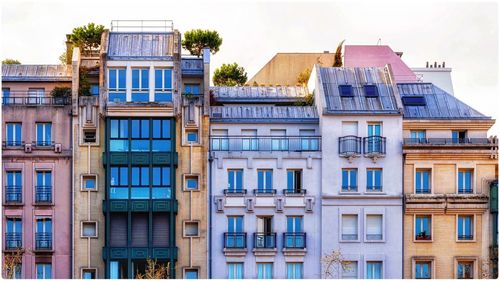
point(265, 166)
point(36, 168)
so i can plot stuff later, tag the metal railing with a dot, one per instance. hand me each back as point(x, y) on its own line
point(294, 240)
point(448, 141)
point(264, 240)
point(235, 191)
point(43, 241)
point(265, 143)
point(13, 240)
point(142, 25)
point(466, 237)
point(374, 145)
point(35, 100)
point(43, 194)
point(422, 190)
point(423, 236)
point(298, 191)
point(13, 143)
point(13, 194)
point(43, 143)
point(465, 191)
point(235, 240)
point(264, 191)
point(374, 188)
point(350, 188)
point(350, 145)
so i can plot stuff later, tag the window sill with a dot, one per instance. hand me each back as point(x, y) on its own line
point(374, 241)
point(422, 241)
point(350, 241)
point(374, 193)
point(13, 204)
point(349, 193)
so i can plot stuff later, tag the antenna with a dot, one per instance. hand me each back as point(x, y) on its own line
point(379, 41)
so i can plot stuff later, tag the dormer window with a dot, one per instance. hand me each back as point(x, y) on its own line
point(346, 91)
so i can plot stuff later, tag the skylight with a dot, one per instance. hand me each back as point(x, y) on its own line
point(346, 91)
point(371, 91)
point(414, 100)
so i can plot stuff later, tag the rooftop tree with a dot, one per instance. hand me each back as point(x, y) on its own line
point(196, 39)
point(230, 75)
point(87, 37)
point(10, 61)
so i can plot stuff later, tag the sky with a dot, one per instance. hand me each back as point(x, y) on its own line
point(464, 34)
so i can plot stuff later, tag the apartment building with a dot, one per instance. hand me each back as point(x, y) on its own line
point(36, 167)
point(361, 182)
point(264, 182)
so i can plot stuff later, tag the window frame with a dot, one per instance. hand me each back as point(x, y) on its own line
point(236, 265)
point(15, 186)
point(375, 261)
point(464, 177)
point(382, 215)
point(262, 186)
point(349, 188)
point(429, 260)
point(295, 264)
point(14, 142)
point(96, 226)
point(190, 222)
point(44, 269)
point(430, 179)
point(431, 216)
point(357, 271)
point(235, 180)
point(265, 273)
point(473, 225)
point(471, 259)
point(186, 178)
point(295, 188)
point(83, 269)
point(373, 179)
point(84, 177)
point(117, 90)
point(186, 269)
point(43, 142)
point(163, 90)
point(341, 227)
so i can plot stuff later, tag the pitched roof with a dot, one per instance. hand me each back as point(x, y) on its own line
point(39, 72)
point(263, 114)
point(141, 45)
point(277, 94)
point(438, 103)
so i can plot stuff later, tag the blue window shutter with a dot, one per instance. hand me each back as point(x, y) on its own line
point(426, 180)
point(426, 225)
point(48, 132)
point(345, 179)
point(260, 180)
point(378, 178)
point(269, 180)
point(468, 228)
point(230, 224)
point(239, 224)
point(460, 180)
point(144, 128)
point(417, 225)
point(10, 132)
point(158, 78)
point(369, 178)
point(289, 224)
point(468, 180)
point(460, 225)
point(48, 178)
point(298, 224)
point(230, 180)
point(18, 133)
point(290, 180)
point(145, 79)
point(239, 180)
point(123, 176)
point(165, 176)
point(354, 178)
point(144, 176)
point(122, 79)
point(112, 79)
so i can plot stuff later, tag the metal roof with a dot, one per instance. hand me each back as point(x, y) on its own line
point(439, 103)
point(247, 94)
point(40, 72)
point(357, 77)
point(141, 45)
point(263, 114)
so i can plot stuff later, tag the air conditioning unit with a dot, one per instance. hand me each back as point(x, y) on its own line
point(28, 148)
point(279, 205)
point(249, 205)
point(309, 205)
point(58, 148)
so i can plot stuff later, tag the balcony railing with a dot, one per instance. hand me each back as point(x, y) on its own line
point(13, 143)
point(35, 100)
point(235, 191)
point(422, 190)
point(294, 240)
point(13, 194)
point(296, 191)
point(349, 145)
point(374, 188)
point(374, 145)
point(423, 236)
point(264, 240)
point(13, 240)
point(449, 141)
point(466, 237)
point(465, 191)
point(43, 241)
point(43, 194)
point(42, 144)
point(264, 191)
point(265, 143)
point(350, 188)
point(235, 240)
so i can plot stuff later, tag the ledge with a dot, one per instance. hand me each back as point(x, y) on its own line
point(241, 252)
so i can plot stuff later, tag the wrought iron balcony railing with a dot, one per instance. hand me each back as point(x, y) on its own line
point(13, 240)
point(264, 191)
point(264, 240)
point(423, 236)
point(350, 146)
point(294, 240)
point(43, 194)
point(43, 241)
point(466, 237)
point(13, 194)
point(235, 240)
point(265, 143)
point(235, 191)
point(373, 188)
point(295, 191)
point(374, 145)
point(350, 188)
point(465, 191)
point(35, 100)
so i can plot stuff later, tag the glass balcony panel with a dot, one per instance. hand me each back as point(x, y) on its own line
point(161, 192)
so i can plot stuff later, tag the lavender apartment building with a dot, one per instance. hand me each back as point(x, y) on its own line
point(36, 169)
point(264, 182)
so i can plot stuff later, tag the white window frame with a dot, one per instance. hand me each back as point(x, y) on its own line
point(264, 269)
point(366, 228)
point(375, 260)
point(186, 178)
point(44, 130)
point(472, 259)
point(341, 226)
point(89, 222)
point(88, 269)
point(84, 177)
point(417, 259)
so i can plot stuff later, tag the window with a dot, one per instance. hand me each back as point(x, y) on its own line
point(193, 89)
point(459, 136)
point(140, 183)
point(264, 236)
point(350, 270)
point(191, 229)
point(349, 180)
point(423, 224)
point(6, 99)
point(294, 270)
point(294, 236)
point(140, 85)
point(220, 141)
point(89, 136)
point(119, 183)
point(346, 91)
point(140, 135)
point(235, 270)
point(89, 229)
point(371, 91)
point(235, 181)
point(465, 181)
point(308, 142)
point(423, 181)
point(14, 233)
point(43, 134)
point(249, 140)
point(119, 135)
point(413, 100)
point(265, 270)
point(374, 227)
point(161, 183)
point(191, 183)
point(163, 85)
point(118, 269)
point(14, 187)
point(43, 235)
point(465, 270)
point(264, 181)
point(43, 271)
point(374, 270)
point(13, 134)
point(117, 84)
point(465, 227)
point(417, 136)
point(373, 180)
point(89, 273)
point(192, 136)
point(89, 182)
point(36, 95)
point(17, 272)
point(43, 188)
point(279, 141)
point(294, 182)
point(191, 273)
point(423, 270)
point(161, 136)
point(235, 237)
point(349, 227)
point(374, 141)
point(94, 89)
point(143, 135)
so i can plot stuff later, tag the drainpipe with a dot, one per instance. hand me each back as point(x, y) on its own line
point(403, 218)
point(72, 184)
point(210, 163)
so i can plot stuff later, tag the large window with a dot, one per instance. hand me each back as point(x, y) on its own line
point(193, 89)
point(14, 187)
point(140, 84)
point(465, 270)
point(142, 135)
point(235, 181)
point(417, 136)
point(307, 141)
point(423, 224)
point(140, 183)
point(141, 187)
point(265, 270)
point(117, 84)
point(13, 134)
point(423, 270)
point(235, 270)
point(349, 180)
point(465, 226)
point(465, 181)
point(294, 182)
point(119, 135)
point(43, 134)
point(14, 233)
point(374, 143)
point(423, 181)
point(43, 271)
point(163, 85)
point(294, 270)
point(43, 188)
point(294, 236)
point(249, 140)
point(373, 180)
point(459, 136)
point(350, 270)
point(43, 235)
point(235, 237)
point(264, 181)
point(349, 227)
point(374, 270)
point(374, 227)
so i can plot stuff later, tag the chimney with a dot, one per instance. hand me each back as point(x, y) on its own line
point(443, 64)
point(206, 79)
point(326, 52)
point(435, 64)
point(426, 64)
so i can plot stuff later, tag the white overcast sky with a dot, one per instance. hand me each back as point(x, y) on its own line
point(464, 34)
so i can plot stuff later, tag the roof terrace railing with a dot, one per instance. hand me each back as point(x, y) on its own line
point(142, 25)
point(265, 143)
point(449, 142)
point(35, 100)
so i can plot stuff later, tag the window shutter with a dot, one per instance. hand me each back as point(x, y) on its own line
point(349, 224)
point(374, 224)
point(118, 230)
point(349, 128)
point(160, 230)
point(140, 230)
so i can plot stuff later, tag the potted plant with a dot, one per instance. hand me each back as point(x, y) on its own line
point(60, 95)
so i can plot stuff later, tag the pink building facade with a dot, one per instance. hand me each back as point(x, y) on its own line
point(36, 167)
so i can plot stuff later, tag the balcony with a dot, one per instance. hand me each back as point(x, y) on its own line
point(43, 194)
point(266, 143)
point(235, 240)
point(295, 191)
point(294, 240)
point(41, 100)
point(13, 194)
point(13, 144)
point(350, 146)
point(13, 240)
point(374, 146)
point(264, 191)
point(236, 192)
point(264, 240)
point(43, 241)
point(451, 142)
point(466, 237)
point(465, 191)
point(192, 67)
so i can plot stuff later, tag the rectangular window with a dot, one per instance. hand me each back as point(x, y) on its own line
point(374, 227)
point(119, 183)
point(235, 237)
point(349, 227)
point(17, 274)
point(346, 91)
point(264, 181)
point(140, 84)
point(89, 273)
point(119, 135)
point(465, 227)
point(349, 180)
point(294, 182)
point(295, 236)
point(193, 89)
point(89, 182)
point(161, 136)
point(89, 229)
point(465, 181)
point(94, 89)
point(43, 235)
point(423, 270)
point(423, 224)
point(13, 134)
point(43, 134)
point(191, 183)
point(235, 181)
point(371, 91)
point(14, 187)
point(294, 270)
point(36, 96)
point(373, 141)
point(140, 135)
point(43, 271)
point(140, 183)
point(423, 181)
point(265, 270)
point(220, 140)
point(249, 140)
point(235, 270)
point(374, 180)
point(191, 229)
point(417, 136)
point(465, 270)
point(350, 270)
point(374, 270)
point(308, 142)
point(161, 183)
point(6, 99)
point(459, 136)
point(163, 85)
point(117, 84)
point(279, 141)
point(192, 136)
point(14, 233)
point(191, 273)
point(43, 188)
